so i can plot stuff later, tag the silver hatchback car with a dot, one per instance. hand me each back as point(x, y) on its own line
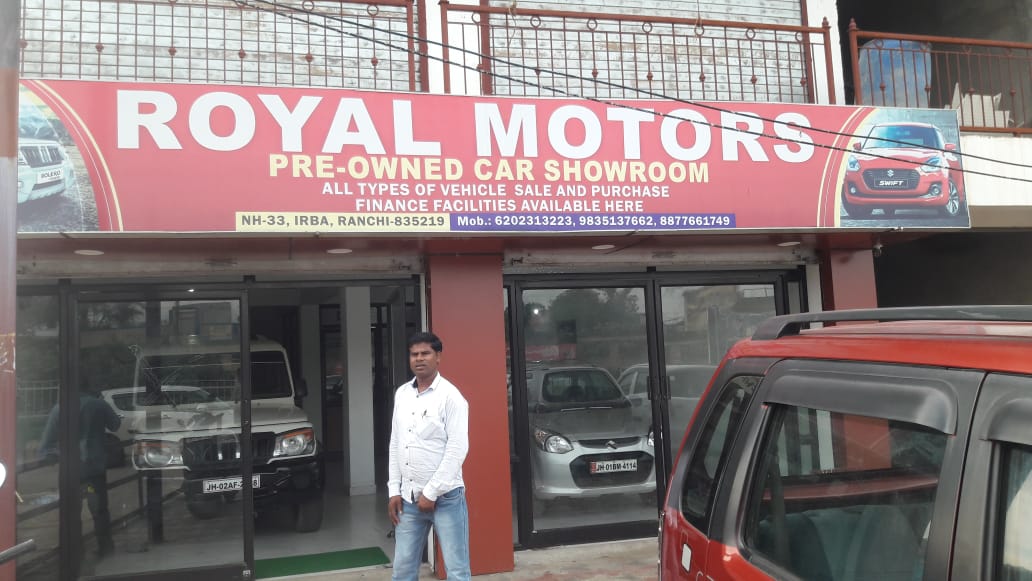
point(585, 437)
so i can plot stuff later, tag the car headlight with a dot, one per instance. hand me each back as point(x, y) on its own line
point(852, 164)
point(296, 443)
point(157, 454)
point(551, 442)
point(933, 165)
point(652, 439)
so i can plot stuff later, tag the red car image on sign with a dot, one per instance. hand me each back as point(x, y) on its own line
point(903, 165)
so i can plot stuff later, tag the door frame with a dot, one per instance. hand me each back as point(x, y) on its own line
point(69, 489)
point(651, 282)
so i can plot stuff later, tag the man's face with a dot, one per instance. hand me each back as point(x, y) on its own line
point(423, 360)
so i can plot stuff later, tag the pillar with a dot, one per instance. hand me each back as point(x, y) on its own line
point(466, 310)
point(847, 279)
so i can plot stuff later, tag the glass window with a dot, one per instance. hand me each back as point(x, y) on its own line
point(592, 457)
point(1015, 556)
point(700, 323)
point(38, 386)
point(715, 443)
point(840, 496)
point(159, 446)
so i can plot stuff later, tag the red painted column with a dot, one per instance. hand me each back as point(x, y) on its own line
point(466, 310)
point(847, 280)
point(9, 14)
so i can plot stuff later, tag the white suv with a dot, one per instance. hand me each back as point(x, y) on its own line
point(173, 430)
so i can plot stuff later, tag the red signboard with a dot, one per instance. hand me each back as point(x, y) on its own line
point(216, 158)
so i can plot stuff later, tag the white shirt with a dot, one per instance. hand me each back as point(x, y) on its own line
point(429, 440)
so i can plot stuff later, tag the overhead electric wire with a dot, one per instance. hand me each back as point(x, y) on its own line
point(278, 7)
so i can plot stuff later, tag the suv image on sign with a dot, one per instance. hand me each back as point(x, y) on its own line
point(897, 447)
point(586, 440)
point(903, 165)
point(43, 169)
point(186, 416)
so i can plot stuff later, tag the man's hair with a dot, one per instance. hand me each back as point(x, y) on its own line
point(426, 337)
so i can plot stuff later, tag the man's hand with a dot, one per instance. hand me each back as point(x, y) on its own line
point(425, 504)
point(394, 509)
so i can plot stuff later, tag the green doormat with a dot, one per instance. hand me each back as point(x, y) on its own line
point(319, 562)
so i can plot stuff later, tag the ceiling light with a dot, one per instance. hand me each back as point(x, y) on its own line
point(787, 243)
point(88, 252)
point(339, 251)
point(603, 247)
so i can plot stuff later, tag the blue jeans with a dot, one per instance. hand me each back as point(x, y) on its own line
point(451, 524)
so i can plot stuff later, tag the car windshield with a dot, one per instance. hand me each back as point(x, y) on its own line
point(579, 386)
point(131, 401)
point(218, 373)
point(884, 136)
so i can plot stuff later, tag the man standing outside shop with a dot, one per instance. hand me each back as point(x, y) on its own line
point(429, 441)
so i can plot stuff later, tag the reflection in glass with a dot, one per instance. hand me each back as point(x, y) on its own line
point(700, 323)
point(38, 384)
point(592, 457)
point(159, 391)
point(1015, 563)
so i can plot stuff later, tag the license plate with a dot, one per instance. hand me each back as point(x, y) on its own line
point(606, 466)
point(50, 175)
point(228, 484)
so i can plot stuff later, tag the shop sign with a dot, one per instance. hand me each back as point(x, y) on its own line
point(100, 156)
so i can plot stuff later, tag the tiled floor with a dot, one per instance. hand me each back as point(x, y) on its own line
point(349, 522)
point(633, 560)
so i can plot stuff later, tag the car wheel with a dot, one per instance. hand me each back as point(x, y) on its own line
point(953, 205)
point(309, 515)
point(204, 509)
point(854, 211)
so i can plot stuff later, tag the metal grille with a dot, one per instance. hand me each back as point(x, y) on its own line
point(987, 82)
point(909, 178)
point(224, 451)
point(41, 155)
point(254, 42)
point(619, 56)
point(629, 441)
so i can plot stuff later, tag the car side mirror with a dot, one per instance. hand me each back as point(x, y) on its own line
point(856, 146)
point(951, 147)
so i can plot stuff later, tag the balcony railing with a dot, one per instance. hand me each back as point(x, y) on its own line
point(516, 51)
point(989, 83)
point(365, 44)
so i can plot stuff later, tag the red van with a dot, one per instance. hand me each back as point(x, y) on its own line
point(897, 447)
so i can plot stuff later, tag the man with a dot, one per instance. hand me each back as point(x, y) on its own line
point(96, 418)
point(429, 441)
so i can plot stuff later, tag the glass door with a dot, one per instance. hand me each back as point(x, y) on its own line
point(157, 443)
point(604, 377)
point(699, 324)
point(588, 460)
